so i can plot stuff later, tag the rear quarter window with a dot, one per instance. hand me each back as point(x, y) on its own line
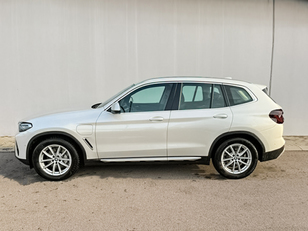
point(237, 95)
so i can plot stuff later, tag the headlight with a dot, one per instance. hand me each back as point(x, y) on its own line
point(24, 126)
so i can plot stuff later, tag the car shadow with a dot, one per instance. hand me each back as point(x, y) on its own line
point(167, 171)
point(13, 169)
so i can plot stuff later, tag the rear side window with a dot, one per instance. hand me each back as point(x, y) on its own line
point(237, 95)
point(201, 96)
point(217, 97)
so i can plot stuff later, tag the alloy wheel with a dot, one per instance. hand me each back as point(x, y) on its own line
point(55, 160)
point(236, 158)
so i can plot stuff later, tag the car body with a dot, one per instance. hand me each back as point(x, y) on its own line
point(167, 119)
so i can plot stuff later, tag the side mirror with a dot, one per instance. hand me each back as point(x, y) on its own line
point(115, 108)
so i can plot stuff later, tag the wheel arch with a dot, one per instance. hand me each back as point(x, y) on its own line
point(63, 135)
point(238, 134)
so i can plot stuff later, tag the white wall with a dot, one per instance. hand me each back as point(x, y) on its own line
point(57, 55)
point(290, 67)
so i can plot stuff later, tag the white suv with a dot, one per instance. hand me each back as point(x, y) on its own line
point(174, 119)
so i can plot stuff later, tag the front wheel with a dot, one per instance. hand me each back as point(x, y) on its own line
point(236, 158)
point(55, 159)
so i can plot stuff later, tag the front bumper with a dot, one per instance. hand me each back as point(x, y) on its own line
point(25, 161)
point(272, 154)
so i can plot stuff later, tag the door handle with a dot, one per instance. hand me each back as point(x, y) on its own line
point(156, 118)
point(221, 116)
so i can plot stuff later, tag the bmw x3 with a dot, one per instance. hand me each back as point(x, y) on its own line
point(169, 119)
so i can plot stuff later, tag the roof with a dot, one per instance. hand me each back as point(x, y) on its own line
point(196, 78)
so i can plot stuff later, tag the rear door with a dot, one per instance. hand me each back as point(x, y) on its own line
point(201, 116)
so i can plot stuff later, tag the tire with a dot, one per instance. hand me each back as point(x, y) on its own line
point(55, 159)
point(236, 158)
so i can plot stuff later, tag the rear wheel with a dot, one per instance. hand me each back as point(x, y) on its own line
point(236, 158)
point(55, 159)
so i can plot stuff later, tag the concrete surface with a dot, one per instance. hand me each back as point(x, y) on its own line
point(293, 143)
point(296, 143)
point(156, 197)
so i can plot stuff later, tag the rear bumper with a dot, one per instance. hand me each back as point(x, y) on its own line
point(272, 154)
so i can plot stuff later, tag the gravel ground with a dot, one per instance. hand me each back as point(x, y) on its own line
point(156, 197)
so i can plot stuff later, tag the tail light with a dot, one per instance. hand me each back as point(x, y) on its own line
point(277, 116)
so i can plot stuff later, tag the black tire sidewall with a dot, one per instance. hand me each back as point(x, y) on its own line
point(57, 141)
point(217, 158)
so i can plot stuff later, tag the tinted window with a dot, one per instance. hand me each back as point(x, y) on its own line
point(149, 95)
point(149, 98)
point(237, 95)
point(192, 93)
point(217, 97)
point(201, 96)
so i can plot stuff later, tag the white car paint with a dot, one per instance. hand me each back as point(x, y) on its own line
point(158, 135)
point(192, 132)
point(132, 134)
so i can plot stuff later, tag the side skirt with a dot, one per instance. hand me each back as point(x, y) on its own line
point(167, 160)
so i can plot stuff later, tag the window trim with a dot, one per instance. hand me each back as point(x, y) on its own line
point(172, 98)
point(224, 92)
point(177, 96)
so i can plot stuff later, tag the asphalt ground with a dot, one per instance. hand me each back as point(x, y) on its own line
point(156, 197)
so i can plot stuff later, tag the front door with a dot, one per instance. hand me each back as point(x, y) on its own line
point(140, 130)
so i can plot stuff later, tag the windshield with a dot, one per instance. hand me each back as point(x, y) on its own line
point(115, 96)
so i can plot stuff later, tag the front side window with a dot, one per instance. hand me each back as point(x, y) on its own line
point(148, 98)
point(237, 95)
point(201, 96)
